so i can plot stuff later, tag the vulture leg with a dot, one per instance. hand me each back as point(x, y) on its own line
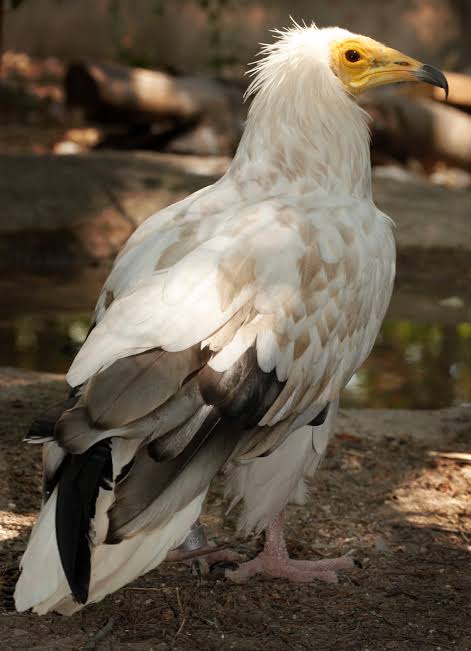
point(196, 546)
point(210, 553)
point(275, 562)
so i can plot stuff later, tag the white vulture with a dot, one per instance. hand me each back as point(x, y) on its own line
point(223, 337)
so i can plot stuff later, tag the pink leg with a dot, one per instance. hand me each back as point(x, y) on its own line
point(196, 546)
point(210, 553)
point(274, 561)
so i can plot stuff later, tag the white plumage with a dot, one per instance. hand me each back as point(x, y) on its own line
point(223, 336)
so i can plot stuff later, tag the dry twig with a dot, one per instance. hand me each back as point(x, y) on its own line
point(182, 612)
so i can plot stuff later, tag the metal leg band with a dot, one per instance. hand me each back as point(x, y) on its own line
point(195, 539)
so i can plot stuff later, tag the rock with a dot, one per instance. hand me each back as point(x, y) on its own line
point(454, 302)
point(77, 209)
point(74, 210)
point(427, 217)
point(428, 426)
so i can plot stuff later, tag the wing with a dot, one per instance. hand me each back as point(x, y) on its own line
point(236, 333)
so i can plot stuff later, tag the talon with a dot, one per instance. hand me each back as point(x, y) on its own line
point(220, 568)
point(224, 565)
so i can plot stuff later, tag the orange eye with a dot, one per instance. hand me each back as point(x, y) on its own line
point(352, 56)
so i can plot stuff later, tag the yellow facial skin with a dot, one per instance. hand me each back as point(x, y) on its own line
point(363, 63)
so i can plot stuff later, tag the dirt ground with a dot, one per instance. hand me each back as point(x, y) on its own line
point(404, 511)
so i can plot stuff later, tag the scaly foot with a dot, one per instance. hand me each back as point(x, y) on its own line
point(291, 569)
point(275, 562)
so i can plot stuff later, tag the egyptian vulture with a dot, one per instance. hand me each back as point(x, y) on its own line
point(223, 337)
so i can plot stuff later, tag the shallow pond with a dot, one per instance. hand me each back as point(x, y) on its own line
point(421, 360)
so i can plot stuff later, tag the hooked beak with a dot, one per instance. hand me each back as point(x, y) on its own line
point(433, 76)
point(391, 66)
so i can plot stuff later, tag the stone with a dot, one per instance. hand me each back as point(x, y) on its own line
point(79, 210)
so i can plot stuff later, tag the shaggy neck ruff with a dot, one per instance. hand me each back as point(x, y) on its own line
point(303, 127)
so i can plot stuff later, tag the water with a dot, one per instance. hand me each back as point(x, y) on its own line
point(417, 363)
point(415, 366)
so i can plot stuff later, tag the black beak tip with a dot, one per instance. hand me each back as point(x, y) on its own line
point(433, 76)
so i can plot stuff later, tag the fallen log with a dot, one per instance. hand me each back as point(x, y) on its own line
point(76, 210)
point(420, 128)
point(134, 96)
point(459, 457)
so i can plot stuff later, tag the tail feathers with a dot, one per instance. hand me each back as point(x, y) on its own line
point(117, 565)
point(78, 487)
point(43, 586)
point(41, 570)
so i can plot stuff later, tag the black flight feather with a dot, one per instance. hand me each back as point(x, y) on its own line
point(79, 483)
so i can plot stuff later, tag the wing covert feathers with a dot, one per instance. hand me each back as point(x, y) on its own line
point(134, 386)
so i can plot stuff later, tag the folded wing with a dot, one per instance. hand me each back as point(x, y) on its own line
point(224, 340)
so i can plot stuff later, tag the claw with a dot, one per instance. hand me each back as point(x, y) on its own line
point(219, 569)
point(223, 565)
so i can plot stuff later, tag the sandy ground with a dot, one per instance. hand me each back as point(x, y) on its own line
point(380, 491)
